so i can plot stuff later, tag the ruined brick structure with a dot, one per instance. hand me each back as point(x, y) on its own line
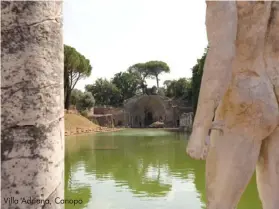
point(143, 110)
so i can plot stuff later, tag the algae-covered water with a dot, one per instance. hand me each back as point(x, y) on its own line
point(138, 169)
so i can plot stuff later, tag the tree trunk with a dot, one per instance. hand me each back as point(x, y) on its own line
point(67, 90)
point(157, 80)
point(68, 98)
point(32, 119)
point(66, 82)
point(143, 88)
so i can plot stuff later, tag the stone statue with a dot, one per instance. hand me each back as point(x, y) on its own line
point(32, 104)
point(242, 71)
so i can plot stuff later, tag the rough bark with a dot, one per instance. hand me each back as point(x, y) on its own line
point(32, 113)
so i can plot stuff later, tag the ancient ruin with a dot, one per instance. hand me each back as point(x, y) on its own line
point(142, 110)
point(32, 113)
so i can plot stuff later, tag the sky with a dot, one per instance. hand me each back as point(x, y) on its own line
point(115, 34)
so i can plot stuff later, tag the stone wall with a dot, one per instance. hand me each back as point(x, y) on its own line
point(145, 110)
point(186, 121)
point(159, 108)
point(105, 116)
point(103, 120)
point(119, 118)
point(107, 110)
point(141, 111)
point(101, 110)
point(170, 115)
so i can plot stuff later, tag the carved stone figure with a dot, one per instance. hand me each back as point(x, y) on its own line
point(244, 47)
point(32, 124)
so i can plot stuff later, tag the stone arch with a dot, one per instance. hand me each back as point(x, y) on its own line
point(147, 109)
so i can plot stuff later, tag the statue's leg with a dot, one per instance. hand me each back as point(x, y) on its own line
point(221, 26)
point(230, 165)
point(248, 113)
point(268, 171)
point(235, 147)
point(268, 164)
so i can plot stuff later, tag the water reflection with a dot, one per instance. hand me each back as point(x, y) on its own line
point(73, 189)
point(137, 169)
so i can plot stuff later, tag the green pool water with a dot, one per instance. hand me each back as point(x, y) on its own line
point(138, 169)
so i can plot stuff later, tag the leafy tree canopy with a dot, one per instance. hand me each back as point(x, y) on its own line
point(86, 101)
point(105, 92)
point(76, 67)
point(142, 73)
point(128, 83)
point(156, 68)
point(82, 100)
point(197, 72)
point(181, 88)
point(151, 69)
point(76, 96)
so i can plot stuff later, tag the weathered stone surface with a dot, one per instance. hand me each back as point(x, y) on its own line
point(186, 121)
point(32, 124)
point(245, 129)
point(221, 25)
point(103, 120)
point(268, 164)
point(142, 110)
